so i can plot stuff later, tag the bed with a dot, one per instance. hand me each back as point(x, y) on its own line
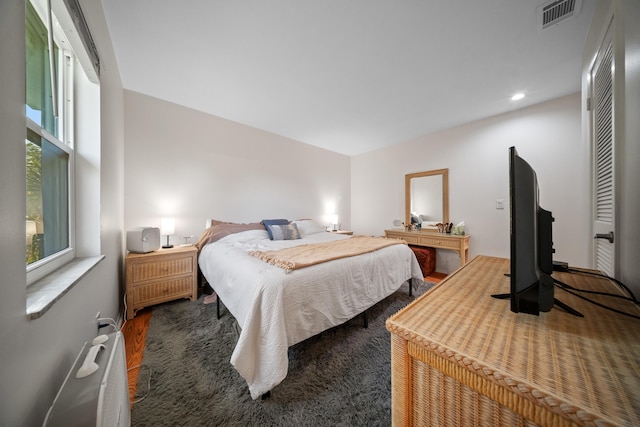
point(277, 308)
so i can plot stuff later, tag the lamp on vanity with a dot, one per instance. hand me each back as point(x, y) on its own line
point(168, 228)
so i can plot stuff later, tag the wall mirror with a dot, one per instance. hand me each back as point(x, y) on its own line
point(427, 197)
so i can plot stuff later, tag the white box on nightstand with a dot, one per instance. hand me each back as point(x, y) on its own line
point(143, 239)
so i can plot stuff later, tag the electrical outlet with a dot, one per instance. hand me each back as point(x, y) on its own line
point(98, 321)
point(499, 203)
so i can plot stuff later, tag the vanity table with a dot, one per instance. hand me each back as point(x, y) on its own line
point(460, 244)
point(427, 199)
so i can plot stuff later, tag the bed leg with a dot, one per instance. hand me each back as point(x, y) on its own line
point(218, 307)
point(266, 395)
point(366, 319)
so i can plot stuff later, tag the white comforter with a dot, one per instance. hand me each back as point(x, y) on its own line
point(276, 309)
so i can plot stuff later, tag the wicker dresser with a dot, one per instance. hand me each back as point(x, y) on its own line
point(161, 276)
point(461, 357)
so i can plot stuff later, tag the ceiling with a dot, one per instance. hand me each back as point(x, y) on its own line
point(349, 76)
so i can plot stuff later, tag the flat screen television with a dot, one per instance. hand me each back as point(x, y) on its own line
point(531, 284)
point(531, 241)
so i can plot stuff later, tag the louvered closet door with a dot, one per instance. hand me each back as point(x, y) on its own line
point(603, 144)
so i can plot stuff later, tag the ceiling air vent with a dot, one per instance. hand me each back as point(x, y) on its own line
point(554, 12)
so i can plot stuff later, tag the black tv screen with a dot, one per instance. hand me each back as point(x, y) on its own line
point(531, 241)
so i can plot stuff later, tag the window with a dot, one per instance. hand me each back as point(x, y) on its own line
point(50, 127)
point(47, 225)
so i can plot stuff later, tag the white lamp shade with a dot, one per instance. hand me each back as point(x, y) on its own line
point(167, 226)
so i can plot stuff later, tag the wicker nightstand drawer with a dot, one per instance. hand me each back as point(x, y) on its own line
point(162, 269)
point(161, 276)
point(155, 293)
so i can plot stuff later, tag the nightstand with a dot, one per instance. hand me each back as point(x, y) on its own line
point(160, 276)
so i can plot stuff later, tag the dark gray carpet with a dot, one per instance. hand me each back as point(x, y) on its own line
point(341, 377)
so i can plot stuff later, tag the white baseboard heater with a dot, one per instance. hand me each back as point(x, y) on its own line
point(95, 391)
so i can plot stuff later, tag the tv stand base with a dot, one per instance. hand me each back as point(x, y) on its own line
point(557, 302)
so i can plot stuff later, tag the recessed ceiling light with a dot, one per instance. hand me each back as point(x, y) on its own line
point(517, 96)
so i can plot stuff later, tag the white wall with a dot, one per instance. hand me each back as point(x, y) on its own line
point(190, 165)
point(36, 354)
point(547, 135)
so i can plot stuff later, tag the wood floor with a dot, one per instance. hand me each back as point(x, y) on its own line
point(135, 334)
point(435, 277)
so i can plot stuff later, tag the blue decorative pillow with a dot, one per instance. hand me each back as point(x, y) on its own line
point(269, 222)
point(285, 232)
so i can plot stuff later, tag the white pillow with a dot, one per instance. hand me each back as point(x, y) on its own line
point(307, 226)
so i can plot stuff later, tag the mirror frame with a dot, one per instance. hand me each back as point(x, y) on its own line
point(445, 193)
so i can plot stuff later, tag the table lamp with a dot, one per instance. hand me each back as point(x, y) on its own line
point(334, 220)
point(168, 228)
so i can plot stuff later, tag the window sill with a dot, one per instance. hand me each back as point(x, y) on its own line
point(42, 294)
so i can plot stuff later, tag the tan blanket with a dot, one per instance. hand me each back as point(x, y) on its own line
point(221, 229)
point(302, 256)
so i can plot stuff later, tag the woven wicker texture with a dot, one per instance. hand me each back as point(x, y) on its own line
point(164, 291)
point(460, 357)
point(160, 276)
point(163, 268)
